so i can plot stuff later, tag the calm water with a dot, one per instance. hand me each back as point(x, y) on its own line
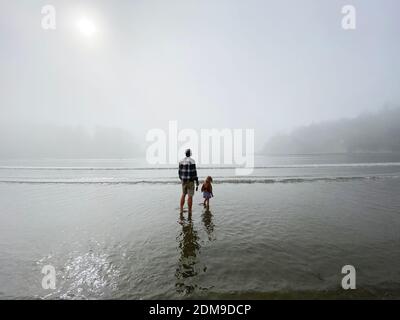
point(110, 228)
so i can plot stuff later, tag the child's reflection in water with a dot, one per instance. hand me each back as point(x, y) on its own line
point(208, 223)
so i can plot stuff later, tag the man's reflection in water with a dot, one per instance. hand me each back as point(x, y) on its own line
point(208, 223)
point(189, 247)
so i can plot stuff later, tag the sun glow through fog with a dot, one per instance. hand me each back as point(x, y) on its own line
point(86, 27)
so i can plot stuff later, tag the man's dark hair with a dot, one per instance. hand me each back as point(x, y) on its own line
point(188, 153)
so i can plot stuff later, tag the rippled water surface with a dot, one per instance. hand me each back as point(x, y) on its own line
point(112, 229)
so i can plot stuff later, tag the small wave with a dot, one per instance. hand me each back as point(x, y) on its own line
point(250, 180)
point(323, 165)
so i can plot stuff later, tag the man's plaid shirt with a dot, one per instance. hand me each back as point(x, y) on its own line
point(187, 170)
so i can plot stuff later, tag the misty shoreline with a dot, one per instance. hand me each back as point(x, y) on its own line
point(371, 133)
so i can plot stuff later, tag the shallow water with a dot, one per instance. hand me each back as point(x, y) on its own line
point(112, 229)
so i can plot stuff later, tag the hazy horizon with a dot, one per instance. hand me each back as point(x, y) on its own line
point(377, 132)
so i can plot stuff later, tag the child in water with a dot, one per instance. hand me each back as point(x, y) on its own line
point(206, 188)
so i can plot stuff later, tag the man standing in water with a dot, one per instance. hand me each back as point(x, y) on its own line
point(188, 175)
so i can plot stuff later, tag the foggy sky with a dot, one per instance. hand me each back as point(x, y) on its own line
point(267, 65)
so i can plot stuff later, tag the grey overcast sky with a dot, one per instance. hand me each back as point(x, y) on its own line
point(267, 65)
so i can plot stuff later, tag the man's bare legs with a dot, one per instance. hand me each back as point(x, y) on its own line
point(183, 201)
point(190, 202)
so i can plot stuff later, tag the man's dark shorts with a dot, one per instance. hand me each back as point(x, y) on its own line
point(188, 188)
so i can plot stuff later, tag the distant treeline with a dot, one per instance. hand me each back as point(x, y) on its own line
point(373, 132)
point(48, 141)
